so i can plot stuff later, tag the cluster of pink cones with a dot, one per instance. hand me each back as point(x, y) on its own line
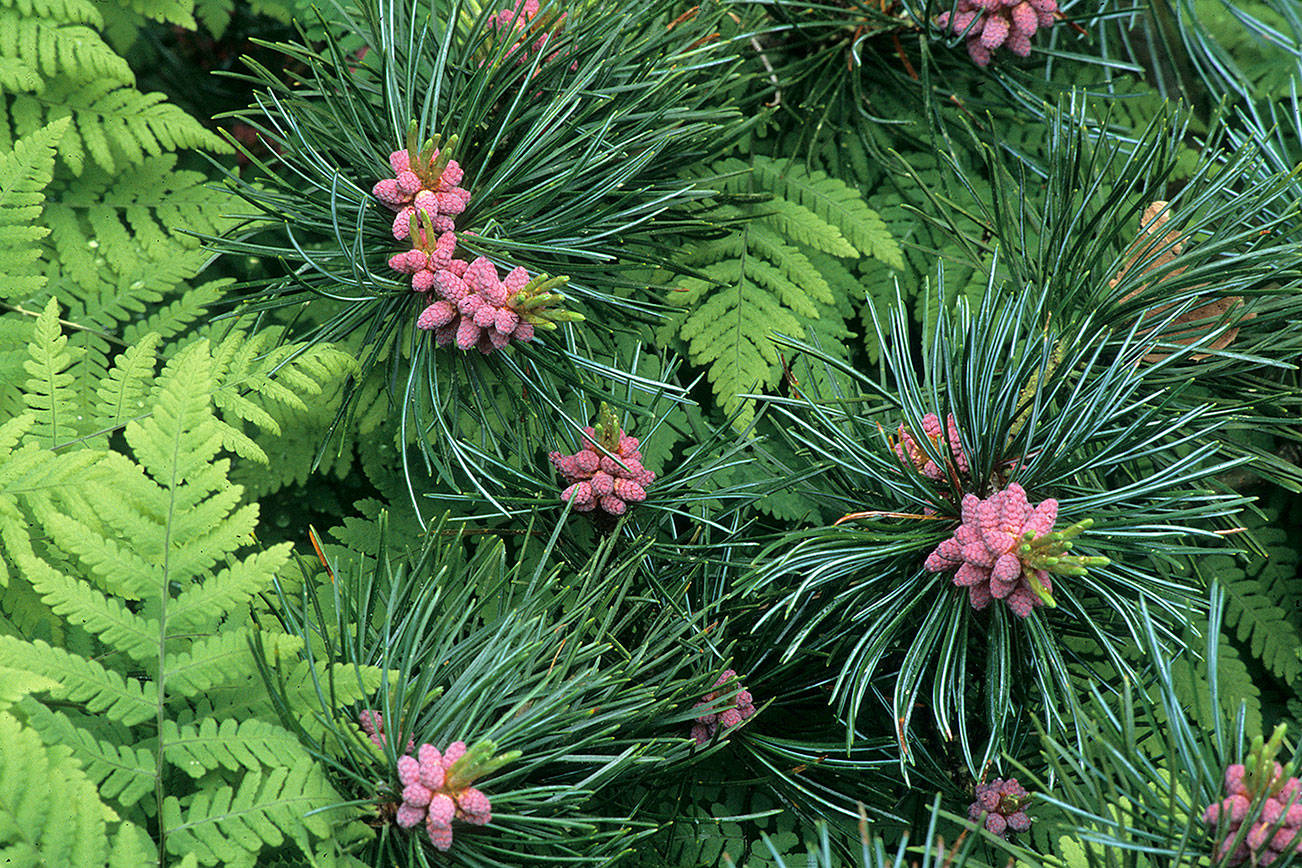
point(466, 303)
point(993, 24)
point(607, 473)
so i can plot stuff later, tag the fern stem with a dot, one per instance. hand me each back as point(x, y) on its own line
point(160, 763)
point(111, 338)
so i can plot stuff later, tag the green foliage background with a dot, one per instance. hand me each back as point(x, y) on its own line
point(243, 499)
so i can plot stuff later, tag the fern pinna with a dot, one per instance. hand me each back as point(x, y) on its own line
point(778, 266)
point(94, 205)
point(133, 591)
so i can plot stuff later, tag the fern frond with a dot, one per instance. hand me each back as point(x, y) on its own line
point(139, 557)
point(836, 204)
point(126, 569)
point(779, 271)
point(17, 683)
point(254, 374)
point(199, 607)
point(230, 744)
point(207, 520)
point(60, 39)
point(214, 15)
point(178, 441)
point(122, 259)
point(123, 391)
point(1258, 621)
point(1236, 685)
point(151, 200)
point(100, 690)
point(109, 619)
point(284, 374)
point(123, 773)
point(350, 684)
point(176, 318)
point(50, 813)
point(730, 331)
point(49, 393)
point(804, 225)
point(208, 662)
point(24, 174)
point(220, 825)
point(179, 12)
point(17, 76)
point(27, 468)
point(112, 124)
point(132, 847)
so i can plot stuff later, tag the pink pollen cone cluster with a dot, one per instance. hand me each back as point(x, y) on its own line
point(424, 184)
point(430, 796)
point(1003, 802)
point(598, 480)
point(708, 724)
point(372, 723)
point(1278, 829)
point(517, 20)
point(999, 23)
point(473, 307)
point(466, 303)
point(909, 452)
point(517, 16)
point(987, 549)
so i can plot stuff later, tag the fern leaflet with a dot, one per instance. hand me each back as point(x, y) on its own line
point(24, 174)
point(764, 277)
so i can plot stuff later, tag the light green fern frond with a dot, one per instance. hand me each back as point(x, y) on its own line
point(27, 469)
point(259, 376)
point(99, 690)
point(199, 607)
point(245, 699)
point(179, 12)
point(177, 442)
point(222, 825)
point(25, 172)
point(233, 745)
point(176, 318)
point(123, 259)
point(17, 683)
point(98, 614)
point(58, 821)
point(144, 556)
point(60, 38)
point(16, 76)
point(50, 394)
point(123, 390)
point(211, 661)
point(214, 15)
point(113, 124)
point(123, 773)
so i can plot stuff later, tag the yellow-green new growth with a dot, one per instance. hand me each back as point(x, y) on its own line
point(429, 160)
point(607, 428)
point(475, 763)
point(1260, 768)
point(533, 302)
point(1049, 552)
